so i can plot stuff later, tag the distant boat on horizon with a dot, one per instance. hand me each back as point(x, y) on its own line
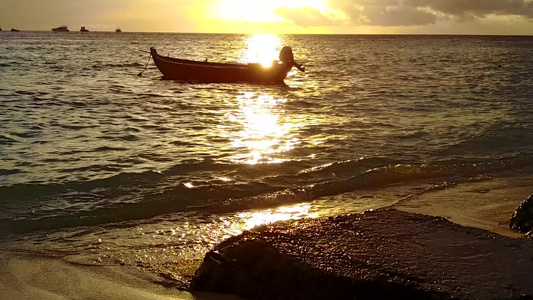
point(14, 30)
point(62, 28)
point(83, 29)
point(118, 30)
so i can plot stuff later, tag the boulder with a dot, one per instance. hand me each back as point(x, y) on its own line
point(384, 254)
point(522, 219)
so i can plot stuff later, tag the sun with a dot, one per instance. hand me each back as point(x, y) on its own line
point(262, 48)
point(261, 10)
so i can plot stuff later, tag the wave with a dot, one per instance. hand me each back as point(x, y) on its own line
point(4, 140)
point(32, 191)
point(141, 196)
point(126, 137)
point(9, 171)
point(127, 180)
point(24, 92)
point(76, 127)
point(116, 65)
point(27, 134)
point(505, 137)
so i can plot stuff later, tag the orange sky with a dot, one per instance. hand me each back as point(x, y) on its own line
point(275, 16)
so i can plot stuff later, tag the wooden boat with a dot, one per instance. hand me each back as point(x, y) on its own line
point(15, 30)
point(62, 28)
point(203, 71)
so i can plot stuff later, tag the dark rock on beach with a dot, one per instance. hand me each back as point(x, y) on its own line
point(384, 254)
point(522, 219)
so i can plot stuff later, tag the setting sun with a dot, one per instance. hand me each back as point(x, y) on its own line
point(262, 48)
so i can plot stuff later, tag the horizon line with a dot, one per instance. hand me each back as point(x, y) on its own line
point(238, 33)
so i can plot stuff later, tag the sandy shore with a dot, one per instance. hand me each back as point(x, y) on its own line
point(24, 277)
point(486, 204)
point(47, 278)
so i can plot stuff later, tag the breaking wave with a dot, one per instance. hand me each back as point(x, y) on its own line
point(140, 196)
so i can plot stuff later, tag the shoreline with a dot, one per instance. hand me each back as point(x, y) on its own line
point(487, 204)
point(483, 206)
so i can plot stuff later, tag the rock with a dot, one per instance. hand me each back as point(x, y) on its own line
point(522, 219)
point(384, 254)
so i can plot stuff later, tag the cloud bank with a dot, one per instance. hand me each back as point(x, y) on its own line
point(406, 12)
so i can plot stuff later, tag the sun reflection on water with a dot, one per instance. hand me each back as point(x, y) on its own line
point(172, 241)
point(294, 212)
point(265, 131)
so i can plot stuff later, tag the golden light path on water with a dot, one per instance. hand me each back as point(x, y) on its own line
point(259, 130)
point(294, 212)
point(264, 130)
point(176, 241)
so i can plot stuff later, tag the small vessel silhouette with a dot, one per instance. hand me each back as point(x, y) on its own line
point(203, 71)
point(62, 28)
point(83, 29)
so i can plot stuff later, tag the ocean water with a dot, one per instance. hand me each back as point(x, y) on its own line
point(103, 165)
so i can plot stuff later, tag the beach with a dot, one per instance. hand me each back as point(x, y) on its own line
point(119, 185)
point(28, 276)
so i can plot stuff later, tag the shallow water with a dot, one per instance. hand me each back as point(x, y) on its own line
point(96, 160)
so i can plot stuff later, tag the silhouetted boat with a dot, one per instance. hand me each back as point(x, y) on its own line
point(200, 71)
point(62, 28)
point(118, 30)
point(83, 29)
point(14, 30)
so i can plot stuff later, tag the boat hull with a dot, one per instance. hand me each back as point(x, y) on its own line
point(61, 29)
point(196, 71)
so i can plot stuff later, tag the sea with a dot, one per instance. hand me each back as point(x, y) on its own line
point(102, 161)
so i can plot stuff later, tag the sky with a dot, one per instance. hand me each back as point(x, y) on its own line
point(506, 17)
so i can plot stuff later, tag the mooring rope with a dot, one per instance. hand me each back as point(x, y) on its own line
point(146, 66)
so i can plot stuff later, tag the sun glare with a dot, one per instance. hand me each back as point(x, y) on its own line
point(265, 134)
point(262, 48)
point(294, 212)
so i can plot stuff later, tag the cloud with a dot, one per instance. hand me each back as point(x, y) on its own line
point(405, 12)
point(307, 16)
point(476, 8)
point(398, 16)
point(380, 13)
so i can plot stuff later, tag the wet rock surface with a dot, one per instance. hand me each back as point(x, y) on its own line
point(522, 219)
point(384, 254)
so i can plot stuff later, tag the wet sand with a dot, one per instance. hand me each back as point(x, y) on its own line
point(28, 277)
point(486, 204)
point(23, 277)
